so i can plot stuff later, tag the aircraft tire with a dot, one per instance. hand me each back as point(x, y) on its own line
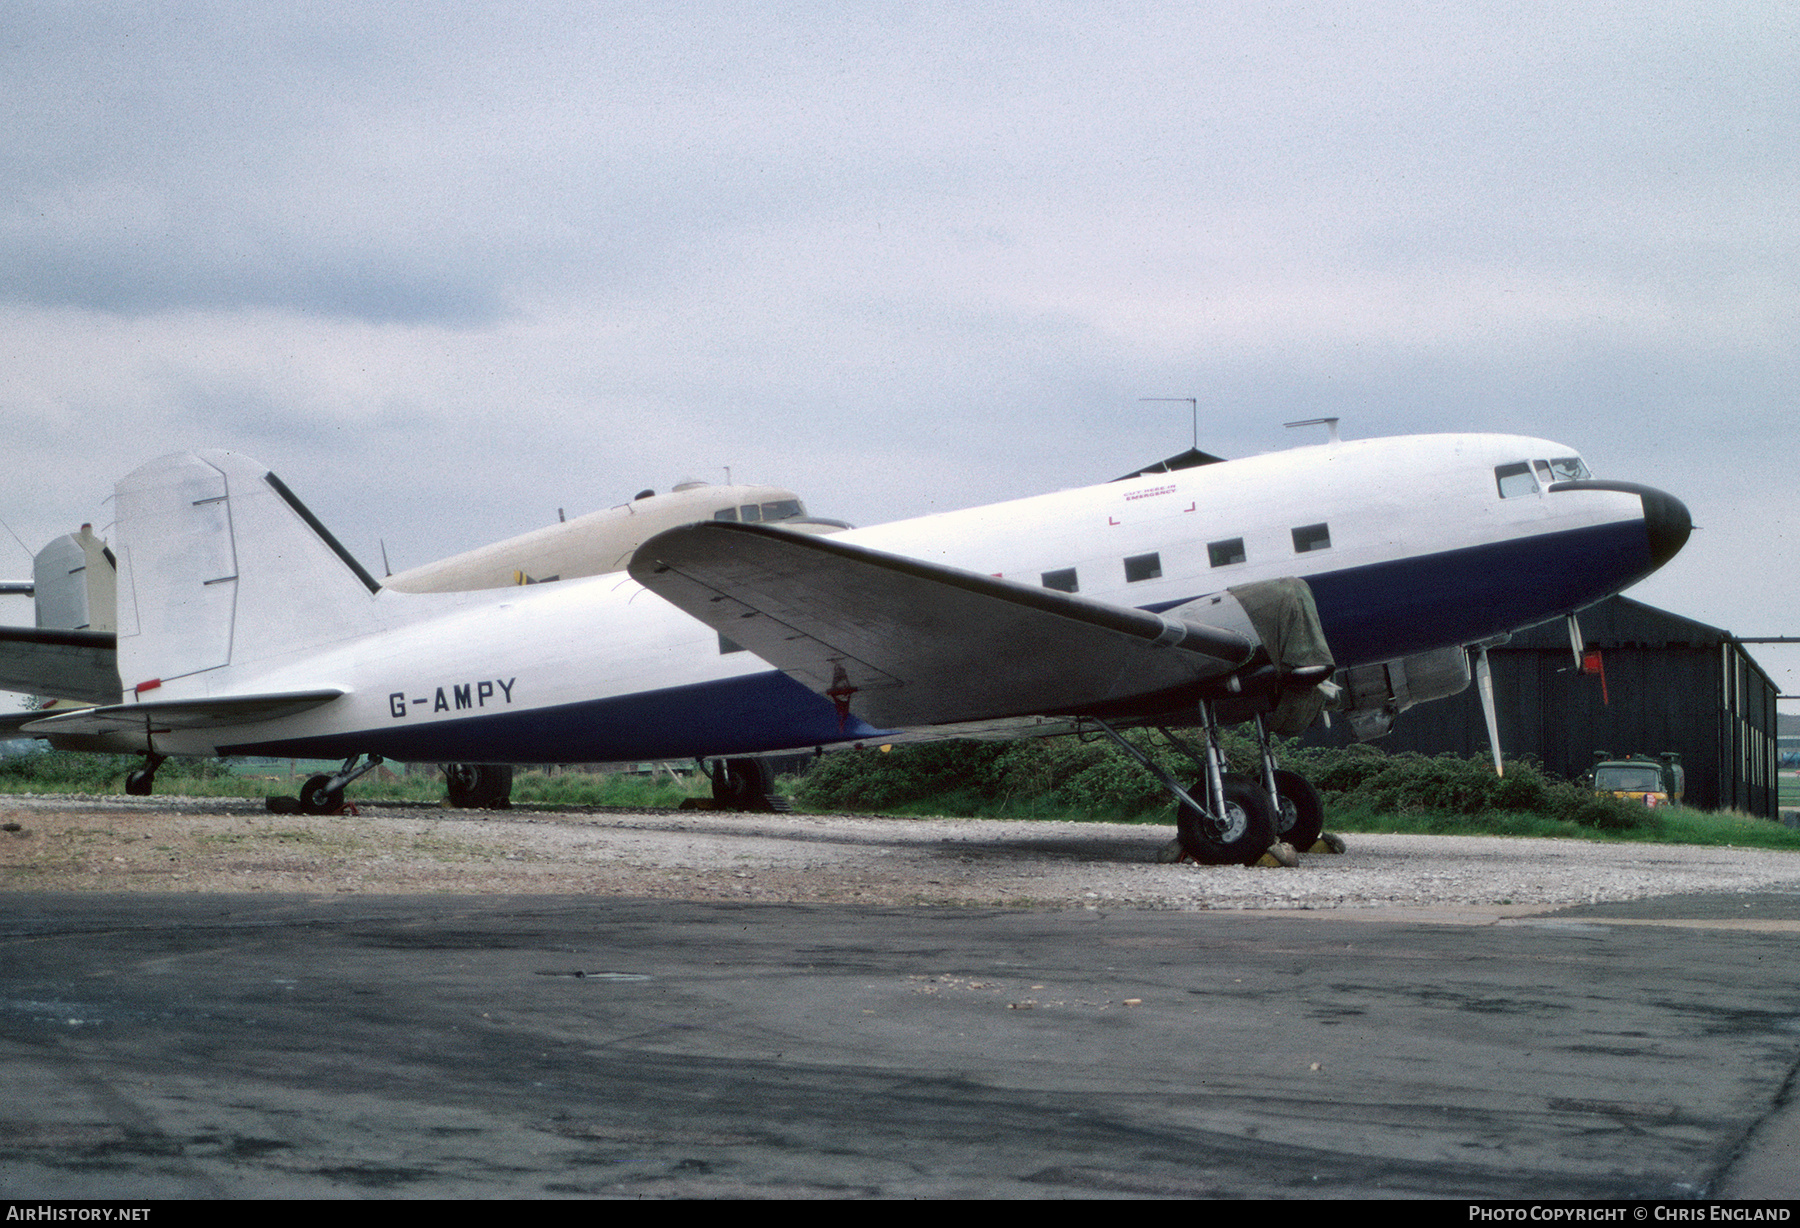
point(1249, 825)
point(315, 798)
point(1299, 813)
point(139, 783)
point(479, 786)
point(741, 784)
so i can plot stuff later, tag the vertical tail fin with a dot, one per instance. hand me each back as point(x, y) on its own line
point(220, 565)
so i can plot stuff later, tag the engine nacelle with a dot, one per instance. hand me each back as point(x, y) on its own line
point(1373, 695)
point(1284, 678)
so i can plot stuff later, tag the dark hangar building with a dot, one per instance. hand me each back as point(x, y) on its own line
point(1664, 683)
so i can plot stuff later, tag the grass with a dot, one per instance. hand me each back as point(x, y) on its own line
point(1676, 825)
point(54, 771)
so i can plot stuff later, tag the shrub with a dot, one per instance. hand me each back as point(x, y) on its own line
point(1090, 777)
point(63, 771)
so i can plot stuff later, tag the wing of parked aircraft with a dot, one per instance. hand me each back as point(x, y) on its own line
point(912, 643)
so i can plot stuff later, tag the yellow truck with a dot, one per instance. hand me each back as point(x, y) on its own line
point(1649, 782)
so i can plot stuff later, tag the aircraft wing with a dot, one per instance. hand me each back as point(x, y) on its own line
point(901, 642)
point(158, 717)
point(62, 664)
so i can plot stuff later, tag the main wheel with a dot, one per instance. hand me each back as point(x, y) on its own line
point(316, 798)
point(1240, 836)
point(139, 783)
point(1299, 814)
point(479, 786)
point(741, 784)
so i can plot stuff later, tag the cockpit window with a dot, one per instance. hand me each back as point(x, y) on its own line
point(1515, 479)
point(1569, 469)
point(763, 513)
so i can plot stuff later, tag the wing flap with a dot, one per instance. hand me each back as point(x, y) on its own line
point(904, 642)
point(80, 665)
point(160, 717)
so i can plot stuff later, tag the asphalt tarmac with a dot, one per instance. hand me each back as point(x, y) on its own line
point(247, 1045)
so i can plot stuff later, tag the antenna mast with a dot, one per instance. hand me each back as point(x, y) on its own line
point(1192, 403)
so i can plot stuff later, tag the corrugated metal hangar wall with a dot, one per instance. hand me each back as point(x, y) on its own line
point(1669, 684)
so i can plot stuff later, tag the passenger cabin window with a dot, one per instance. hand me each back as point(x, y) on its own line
point(1143, 567)
point(1310, 537)
point(1515, 480)
point(1224, 554)
point(1062, 581)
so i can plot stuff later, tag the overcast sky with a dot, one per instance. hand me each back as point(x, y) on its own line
point(449, 267)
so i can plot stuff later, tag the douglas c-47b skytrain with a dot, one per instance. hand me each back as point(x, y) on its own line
point(1176, 597)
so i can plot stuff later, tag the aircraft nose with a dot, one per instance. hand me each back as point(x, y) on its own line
point(1666, 523)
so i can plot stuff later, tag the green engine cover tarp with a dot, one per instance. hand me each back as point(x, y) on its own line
point(1287, 620)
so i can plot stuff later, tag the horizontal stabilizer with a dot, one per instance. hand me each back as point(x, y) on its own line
point(181, 714)
point(60, 664)
point(11, 723)
point(902, 642)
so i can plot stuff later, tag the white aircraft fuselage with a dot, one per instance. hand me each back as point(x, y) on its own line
point(1409, 545)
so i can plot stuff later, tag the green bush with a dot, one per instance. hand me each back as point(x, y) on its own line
point(1092, 778)
point(63, 771)
point(1070, 776)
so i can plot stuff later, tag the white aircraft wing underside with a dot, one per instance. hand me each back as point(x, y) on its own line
point(900, 642)
point(60, 664)
point(207, 713)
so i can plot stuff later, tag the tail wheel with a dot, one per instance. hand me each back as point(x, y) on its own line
point(316, 798)
point(1299, 814)
point(479, 786)
point(1239, 836)
point(741, 784)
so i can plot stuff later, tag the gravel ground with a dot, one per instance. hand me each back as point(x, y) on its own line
point(212, 845)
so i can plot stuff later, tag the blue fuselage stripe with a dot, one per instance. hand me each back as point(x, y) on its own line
point(1389, 610)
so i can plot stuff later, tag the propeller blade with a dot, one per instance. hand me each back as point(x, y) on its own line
point(1484, 680)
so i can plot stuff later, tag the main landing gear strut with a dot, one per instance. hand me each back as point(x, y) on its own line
point(744, 784)
point(479, 786)
point(1299, 814)
point(1243, 820)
